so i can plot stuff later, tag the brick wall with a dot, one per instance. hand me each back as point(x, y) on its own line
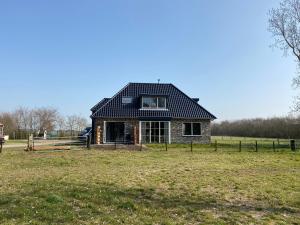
point(177, 132)
point(132, 128)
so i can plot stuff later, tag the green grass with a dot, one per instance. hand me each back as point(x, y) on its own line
point(149, 187)
point(12, 142)
point(220, 138)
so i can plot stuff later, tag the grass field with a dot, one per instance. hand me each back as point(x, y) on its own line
point(250, 143)
point(227, 138)
point(12, 142)
point(149, 187)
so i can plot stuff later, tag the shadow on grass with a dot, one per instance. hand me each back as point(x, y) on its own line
point(54, 203)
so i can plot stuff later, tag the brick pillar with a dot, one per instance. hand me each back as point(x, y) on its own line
point(98, 135)
point(136, 135)
point(135, 138)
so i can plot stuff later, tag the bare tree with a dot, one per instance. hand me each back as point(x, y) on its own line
point(76, 123)
point(284, 24)
point(33, 122)
point(36, 121)
point(22, 115)
point(81, 123)
point(61, 125)
point(45, 118)
point(71, 123)
point(9, 122)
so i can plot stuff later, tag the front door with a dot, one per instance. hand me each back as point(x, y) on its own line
point(115, 132)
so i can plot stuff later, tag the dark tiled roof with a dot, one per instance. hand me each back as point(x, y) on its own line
point(179, 105)
point(99, 104)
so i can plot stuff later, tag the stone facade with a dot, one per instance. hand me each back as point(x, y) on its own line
point(177, 132)
point(132, 131)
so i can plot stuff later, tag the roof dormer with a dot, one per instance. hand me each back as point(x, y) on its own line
point(153, 102)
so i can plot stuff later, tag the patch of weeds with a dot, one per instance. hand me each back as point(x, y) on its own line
point(54, 199)
point(127, 205)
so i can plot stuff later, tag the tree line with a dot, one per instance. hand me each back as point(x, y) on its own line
point(277, 127)
point(23, 121)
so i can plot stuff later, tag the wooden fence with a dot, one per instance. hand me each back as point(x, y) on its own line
point(235, 145)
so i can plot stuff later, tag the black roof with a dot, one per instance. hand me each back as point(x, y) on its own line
point(99, 104)
point(179, 105)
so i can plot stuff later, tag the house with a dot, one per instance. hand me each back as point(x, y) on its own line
point(150, 113)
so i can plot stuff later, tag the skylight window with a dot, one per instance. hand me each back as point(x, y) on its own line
point(126, 100)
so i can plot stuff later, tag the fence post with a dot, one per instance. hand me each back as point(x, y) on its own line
point(240, 147)
point(115, 145)
point(216, 145)
point(274, 146)
point(88, 141)
point(166, 144)
point(141, 145)
point(256, 146)
point(32, 142)
point(28, 143)
point(191, 146)
point(293, 145)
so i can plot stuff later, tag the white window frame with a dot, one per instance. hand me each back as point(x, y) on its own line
point(192, 132)
point(154, 108)
point(170, 132)
point(104, 132)
point(140, 130)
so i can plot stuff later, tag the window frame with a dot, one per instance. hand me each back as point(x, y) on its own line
point(192, 129)
point(165, 102)
point(166, 127)
point(156, 100)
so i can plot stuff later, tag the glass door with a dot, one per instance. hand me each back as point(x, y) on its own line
point(155, 131)
point(115, 132)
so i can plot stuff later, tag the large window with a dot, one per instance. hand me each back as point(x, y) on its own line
point(191, 129)
point(154, 102)
point(154, 132)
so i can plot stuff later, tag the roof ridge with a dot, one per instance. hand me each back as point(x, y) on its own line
point(150, 83)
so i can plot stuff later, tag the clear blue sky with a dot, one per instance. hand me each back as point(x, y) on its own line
point(70, 54)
